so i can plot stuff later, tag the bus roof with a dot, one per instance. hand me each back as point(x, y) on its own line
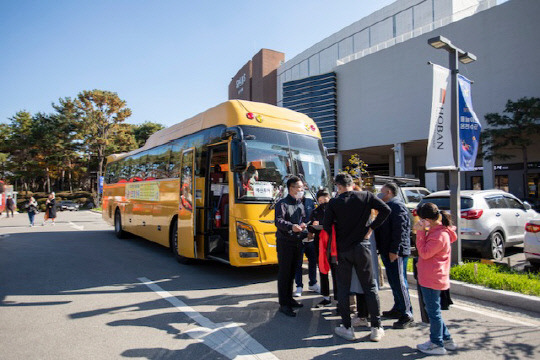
point(231, 113)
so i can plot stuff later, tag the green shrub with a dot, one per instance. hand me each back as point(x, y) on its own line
point(497, 277)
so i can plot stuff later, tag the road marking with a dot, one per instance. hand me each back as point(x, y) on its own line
point(492, 314)
point(78, 227)
point(229, 339)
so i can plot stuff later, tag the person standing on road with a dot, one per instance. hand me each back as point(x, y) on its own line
point(10, 206)
point(316, 220)
point(394, 245)
point(50, 209)
point(350, 212)
point(291, 215)
point(32, 210)
point(309, 249)
point(434, 234)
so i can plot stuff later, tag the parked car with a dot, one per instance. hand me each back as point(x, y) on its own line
point(491, 220)
point(68, 205)
point(414, 194)
point(531, 244)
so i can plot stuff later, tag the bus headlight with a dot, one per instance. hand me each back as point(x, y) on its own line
point(245, 235)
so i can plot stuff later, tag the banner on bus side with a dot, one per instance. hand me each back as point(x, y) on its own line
point(142, 191)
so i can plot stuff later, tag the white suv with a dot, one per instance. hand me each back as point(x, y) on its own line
point(491, 220)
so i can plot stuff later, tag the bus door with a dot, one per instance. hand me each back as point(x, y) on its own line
point(187, 245)
point(217, 203)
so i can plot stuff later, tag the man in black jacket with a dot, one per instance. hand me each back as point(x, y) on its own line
point(350, 214)
point(394, 245)
point(291, 218)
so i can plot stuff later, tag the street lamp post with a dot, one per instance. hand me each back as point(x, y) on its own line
point(455, 54)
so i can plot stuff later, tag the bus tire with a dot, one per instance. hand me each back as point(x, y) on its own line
point(174, 244)
point(121, 234)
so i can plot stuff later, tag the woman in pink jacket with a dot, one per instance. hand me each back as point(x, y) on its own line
point(434, 234)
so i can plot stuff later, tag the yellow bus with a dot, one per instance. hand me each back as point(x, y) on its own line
point(206, 187)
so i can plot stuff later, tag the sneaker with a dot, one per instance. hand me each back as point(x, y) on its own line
point(358, 321)
point(324, 303)
point(53, 223)
point(287, 310)
point(450, 345)
point(377, 334)
point(431, 349)
point(347, 334)
point(404, 322)
point(315, 288)
point(298, 292)
point(392, 314)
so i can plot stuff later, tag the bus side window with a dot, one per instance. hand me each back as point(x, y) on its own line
point(174, 162)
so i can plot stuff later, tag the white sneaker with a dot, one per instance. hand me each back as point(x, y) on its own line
point(357, 321)
point(431, 349)
point(315, 288)
point(42, 224)
point(298, 292)
point(347, 334)
point(377, 334)
point(450, 345)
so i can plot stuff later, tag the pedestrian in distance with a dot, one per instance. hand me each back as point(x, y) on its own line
point(291, 217)
point(10, 206)
point(315, 221)
point(394, 246)
point(434, 234)
point(350, 212)
point(309, 249)
point(32, 209)
point(50, 210)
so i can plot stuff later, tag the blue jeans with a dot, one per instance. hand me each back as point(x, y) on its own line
point(31, 216)
point(397, 278)
point(438, 332)
point(308, 248)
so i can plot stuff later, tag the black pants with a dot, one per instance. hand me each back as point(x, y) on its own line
point(358, 257)
point(288, 254)
point(325, 283)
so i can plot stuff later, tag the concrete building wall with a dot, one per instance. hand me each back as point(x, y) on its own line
point(385, 98)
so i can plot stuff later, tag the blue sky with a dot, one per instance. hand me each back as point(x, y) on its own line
point(168, 59)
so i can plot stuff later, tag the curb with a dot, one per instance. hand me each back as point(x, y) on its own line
point(501, 297)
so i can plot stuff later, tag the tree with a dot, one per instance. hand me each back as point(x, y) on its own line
point(142, 132)
point(102, 111)
point(122, 140)
point(69, 122)
point(19, 143)
point(517, 130)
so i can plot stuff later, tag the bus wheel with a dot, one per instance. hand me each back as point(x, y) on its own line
point(121, 234)
point(174, 244)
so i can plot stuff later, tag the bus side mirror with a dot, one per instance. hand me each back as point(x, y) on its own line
point(238, 155)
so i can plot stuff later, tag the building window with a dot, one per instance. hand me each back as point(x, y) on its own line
point(501, 182)
point(477, 182)
point(532, 185)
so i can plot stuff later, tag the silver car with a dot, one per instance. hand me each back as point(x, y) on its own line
point(491, 220)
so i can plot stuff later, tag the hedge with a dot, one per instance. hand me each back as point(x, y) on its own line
point(498, 277)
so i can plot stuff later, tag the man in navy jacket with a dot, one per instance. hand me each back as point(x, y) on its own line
point(291, 218)
point(394, 246)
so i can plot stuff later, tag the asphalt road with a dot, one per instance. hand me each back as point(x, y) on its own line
point(74, 291)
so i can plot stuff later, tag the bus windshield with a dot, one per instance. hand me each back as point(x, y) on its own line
point(272, 155)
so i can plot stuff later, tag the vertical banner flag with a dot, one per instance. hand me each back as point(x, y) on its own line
point(469, 126)
point(440, 154)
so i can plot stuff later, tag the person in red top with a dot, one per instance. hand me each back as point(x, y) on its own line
point(434, 234)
